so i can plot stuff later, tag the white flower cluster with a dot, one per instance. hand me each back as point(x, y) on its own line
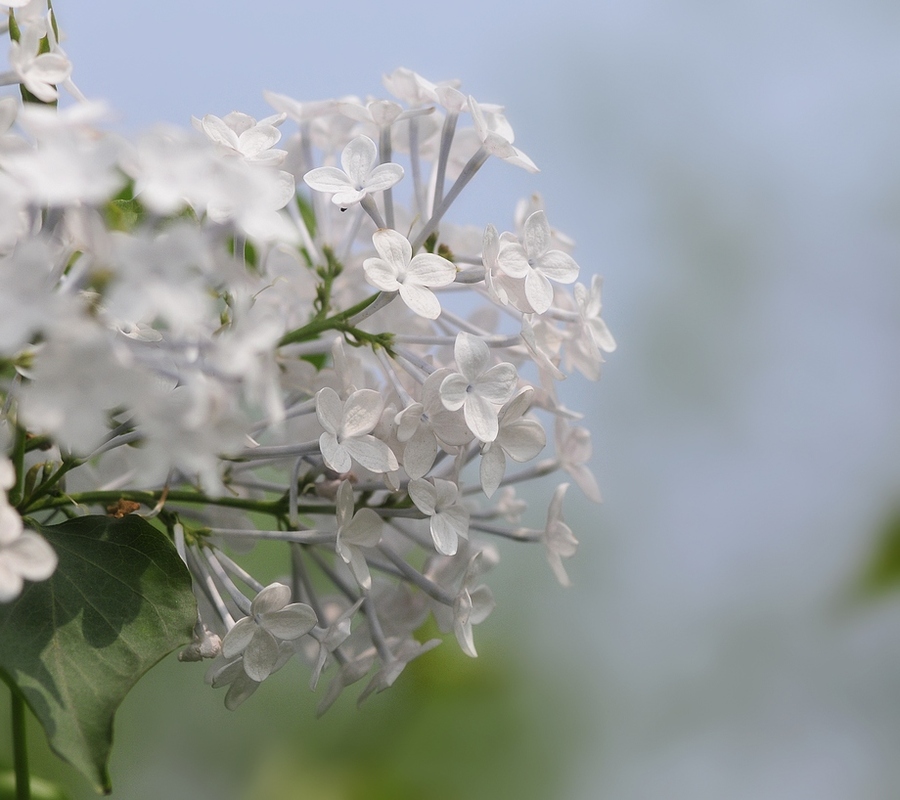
point(253, 343)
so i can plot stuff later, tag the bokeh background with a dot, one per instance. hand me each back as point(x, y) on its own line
point(733, 170)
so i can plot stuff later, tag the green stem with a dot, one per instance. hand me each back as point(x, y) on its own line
point(317, 326)
point(20, 748)
point(18, 460)
point(275, 508)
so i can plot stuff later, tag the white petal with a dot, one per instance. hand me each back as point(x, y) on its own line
point(326, 179)
point(31, 556)
point(420, 452)
point(428, 269)
point(362, 412)
point(357, 159)
point(329, 409)
point(493, 467)
point(372, 453)
point(423, 494)
point(522, 439)
point(498, 383)
point(393, 247)
point(454, 391)
point(275, 596)
point(381, 274)
point(472, 355)
point(383, 177)
point(537, 234)
point(238, 637)
point(538, 291)
point(364, 530)
point(558, 266)
point(334, 454)
point(481, 417)
point(421, 300)
point(260, 655)
point(448, 527)
point(290, 622)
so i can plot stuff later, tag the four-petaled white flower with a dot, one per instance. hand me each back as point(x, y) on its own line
point(520, 439)
point(559, 541)
point(497, 136)
point(241, 135)
point(449, 518)
point(573, 449)
point(24, 554)
point(348, 431)
point(413, 276)
point(271, 621)
point(478, 388)
point(422, 426)
point(585, 349)
point(534, 261)
point(472, 606)
point(359, 176)
point(362, 529)
point(38, 72)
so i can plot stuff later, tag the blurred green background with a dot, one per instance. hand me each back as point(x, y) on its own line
point(733, 170)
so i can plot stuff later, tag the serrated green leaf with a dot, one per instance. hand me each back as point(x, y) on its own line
point(74, 645)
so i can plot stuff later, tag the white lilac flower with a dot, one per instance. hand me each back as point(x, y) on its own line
point(584, 350)
point(497, 137)
point(408, 650)
point(424, 426)
point(356, 530)
point(472, 606)
point(272, 620)
point(348, 428)
point(332, 638)
point(413, 276)
point(520, 439)
point(241, 135)
point(479, 388)
point(448, 517)
point(573, 449)
point(38, 72)
point(536, 263)
point(559, 541)
point(24, 554)
point(359, 177)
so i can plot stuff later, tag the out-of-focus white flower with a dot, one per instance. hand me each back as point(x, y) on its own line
point(24, 554)
point(559, 541)
point(38, 72)
point(355, 530)
point(520, 439)
point(241, 135)
point(271, 620)
point(448, 517)
point(497, 137)
point(473, 605)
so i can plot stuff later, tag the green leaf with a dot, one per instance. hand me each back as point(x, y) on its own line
point(75, 644)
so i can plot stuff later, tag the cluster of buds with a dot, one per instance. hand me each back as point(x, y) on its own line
point(247, 343)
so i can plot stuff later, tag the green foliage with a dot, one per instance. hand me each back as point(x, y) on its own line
point(76, 644)
point(882, 572)
point(40, 789)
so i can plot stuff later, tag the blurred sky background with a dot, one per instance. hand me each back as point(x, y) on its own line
point(733, 171)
